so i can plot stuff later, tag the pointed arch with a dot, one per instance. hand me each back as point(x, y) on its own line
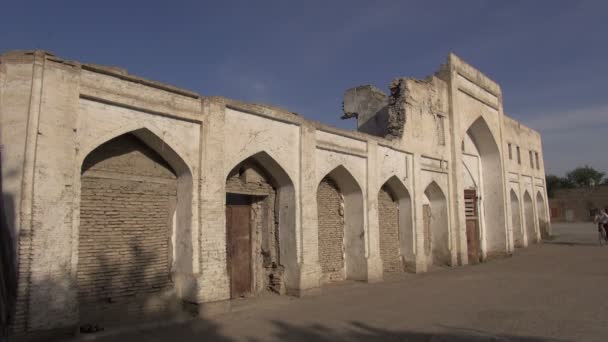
point(436, 229)
point(284, 209)
point(120, 174)
point(541, 212)
point(396, 227)
point(344, 179)
point(183, 262)
point(263, 158)
point(531, 236)
point(353, 234)
point(148, 134)
point(491, 190)
point(482, 136)
point(518, 232)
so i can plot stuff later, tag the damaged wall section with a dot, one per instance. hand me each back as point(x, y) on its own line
point(249, 179)
point(385, 115)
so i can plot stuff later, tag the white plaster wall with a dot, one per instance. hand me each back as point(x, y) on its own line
point(80, 108)
point(98, 122)
point(425, 179)
point(492, 185)
point(328, 161)
point(392, 162)
point(15, 86)
point(68, 129)
point(470, 172)
point(518, 135)
point(420, 132)
point(250, 134)
point(516, 218)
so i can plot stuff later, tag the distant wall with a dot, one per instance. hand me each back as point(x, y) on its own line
point(576, 205)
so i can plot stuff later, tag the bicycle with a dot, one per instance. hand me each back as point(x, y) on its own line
point(603, 239)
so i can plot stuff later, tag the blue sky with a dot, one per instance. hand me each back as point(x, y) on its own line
point(550, 57)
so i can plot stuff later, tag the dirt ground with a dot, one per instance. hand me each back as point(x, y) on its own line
point(553, 291)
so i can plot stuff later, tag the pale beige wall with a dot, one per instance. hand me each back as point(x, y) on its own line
point(20, 79)
point(78, 107)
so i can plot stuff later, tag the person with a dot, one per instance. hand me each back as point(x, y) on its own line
point(601, 218)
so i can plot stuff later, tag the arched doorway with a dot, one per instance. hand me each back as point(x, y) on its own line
point(260, 228)
point(340, 223)
point(529, 214)
point(134, 237)
point(543, 221)
point(480, 145)
point(395, 226)
point(518, 233)
point(436, 233)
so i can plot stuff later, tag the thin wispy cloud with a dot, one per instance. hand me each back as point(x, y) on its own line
point(547, 55)
point(573, 138)
point(549, 122)
point(250, 84)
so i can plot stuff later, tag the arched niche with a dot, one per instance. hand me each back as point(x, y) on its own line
point(543, 220)
point(395, 225)
point(352, 242)
point(134, 227)
point(263, 184)
point(490, 189)
point(529, 219)
point(436, 229)
point(518, 232)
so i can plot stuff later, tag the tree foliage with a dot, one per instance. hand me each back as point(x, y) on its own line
point(553, 183)
point(584, 176)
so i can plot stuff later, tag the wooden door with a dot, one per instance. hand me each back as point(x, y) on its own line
point(472, 223)
point(238, 229)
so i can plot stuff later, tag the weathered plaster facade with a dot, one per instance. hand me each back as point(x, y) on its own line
point(407, 181)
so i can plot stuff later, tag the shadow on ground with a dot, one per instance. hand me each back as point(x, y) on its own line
point(283, 331)
point(358, 331)
point(564, 243)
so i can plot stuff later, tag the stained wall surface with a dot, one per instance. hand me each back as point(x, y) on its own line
point(388, 214)
point(331, 230)
point(55, 112)
point(128, 199)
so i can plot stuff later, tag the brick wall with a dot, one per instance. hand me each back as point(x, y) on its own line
point(388, 216)
point(578, 203)
point(331, 230)
point(128, 197)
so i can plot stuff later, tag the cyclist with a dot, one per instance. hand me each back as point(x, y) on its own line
point(601, 218)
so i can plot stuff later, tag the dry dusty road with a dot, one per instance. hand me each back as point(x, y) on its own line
point(554, 291)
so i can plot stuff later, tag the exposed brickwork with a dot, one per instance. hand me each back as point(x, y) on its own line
point(331, 230)
point(124, 239)
point(389, 232)
point(20, 322)
point(249, 178)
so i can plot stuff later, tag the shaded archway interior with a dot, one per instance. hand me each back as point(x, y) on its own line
point(543, 220)
point(134, 241)
point(341, 237)
point(518, 232)
point(395, 227)
point(529, 219)
point(436, 230)
point(259, 188)
point(490, 187)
